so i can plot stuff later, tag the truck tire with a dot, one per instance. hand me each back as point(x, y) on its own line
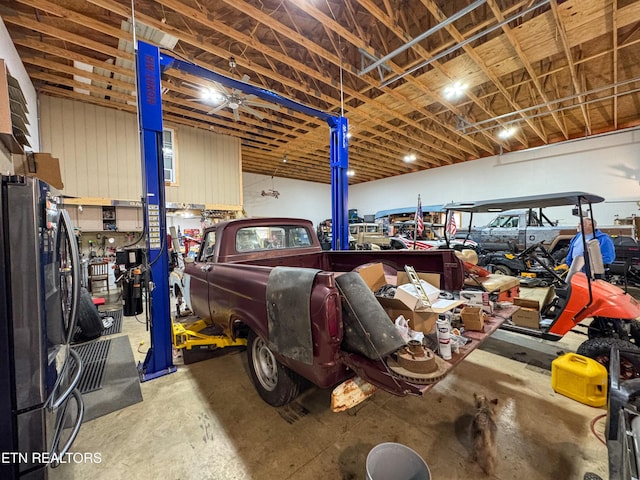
point(89, 321)
point(600, 349)
point(275, 383)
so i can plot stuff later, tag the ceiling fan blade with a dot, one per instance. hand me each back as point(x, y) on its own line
point(253, 112)
point(245, 79)
point(236, 115)
point(218, 108)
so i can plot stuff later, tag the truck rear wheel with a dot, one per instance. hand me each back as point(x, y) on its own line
point(600, 350)
point(275, 383)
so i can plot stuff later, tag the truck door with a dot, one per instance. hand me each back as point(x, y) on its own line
point(508, 234)
point(500, 232)
point(199, 272)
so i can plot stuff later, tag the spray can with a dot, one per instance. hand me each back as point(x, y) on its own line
point(443, 329)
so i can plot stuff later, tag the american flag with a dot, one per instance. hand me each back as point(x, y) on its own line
point(452, 228)
point(419, 220)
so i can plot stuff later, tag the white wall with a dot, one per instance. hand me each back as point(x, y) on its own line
point(10, 55)
point(608, 165)
point(297, 199)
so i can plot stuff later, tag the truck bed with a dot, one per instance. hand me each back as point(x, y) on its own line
point(443, 262)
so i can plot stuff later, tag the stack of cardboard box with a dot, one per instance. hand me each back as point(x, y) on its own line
point(406, 301)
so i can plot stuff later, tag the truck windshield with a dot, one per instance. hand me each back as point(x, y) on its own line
point(208, 244)
point(505, 221)
point(263, 238)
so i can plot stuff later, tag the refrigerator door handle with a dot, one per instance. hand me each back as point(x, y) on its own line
point(74, 433)
point(72, 385)
point(75, 271)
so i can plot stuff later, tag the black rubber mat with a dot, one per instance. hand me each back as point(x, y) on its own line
point(116, 326)
point(94, 358)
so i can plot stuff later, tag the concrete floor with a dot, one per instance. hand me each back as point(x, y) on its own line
point(206, 421)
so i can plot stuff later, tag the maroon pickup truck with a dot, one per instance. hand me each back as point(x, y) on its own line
point(305, 311)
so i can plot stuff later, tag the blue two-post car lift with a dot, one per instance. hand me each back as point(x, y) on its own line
point(150, 63)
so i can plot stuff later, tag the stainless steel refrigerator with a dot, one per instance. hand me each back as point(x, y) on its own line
point(41, 409)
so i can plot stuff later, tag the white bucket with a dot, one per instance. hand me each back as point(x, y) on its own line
point(394, 461)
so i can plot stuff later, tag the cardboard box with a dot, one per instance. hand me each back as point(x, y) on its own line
point(473, 318)
point(424, 322)
point(373, 276)
point(408, 294)
point(42, 166)
point(476, 298)
point(528, 315)
point(432, 278)
point(543, 295)
point(421, 321)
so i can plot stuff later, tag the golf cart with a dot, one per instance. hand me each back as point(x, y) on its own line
point(581, 294)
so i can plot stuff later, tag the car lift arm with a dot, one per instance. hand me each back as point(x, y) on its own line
point(149, 66)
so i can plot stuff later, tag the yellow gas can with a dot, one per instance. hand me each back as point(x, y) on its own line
point(580, 378)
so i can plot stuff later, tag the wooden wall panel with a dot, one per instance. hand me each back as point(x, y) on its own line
point(99, 155)
point(209, 168)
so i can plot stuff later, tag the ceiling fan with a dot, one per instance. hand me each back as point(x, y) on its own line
point(234, 99)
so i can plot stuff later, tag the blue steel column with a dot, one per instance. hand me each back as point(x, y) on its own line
point(159, 359)
point(339, 183)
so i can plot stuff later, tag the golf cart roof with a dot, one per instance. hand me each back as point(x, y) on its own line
point(532, 201)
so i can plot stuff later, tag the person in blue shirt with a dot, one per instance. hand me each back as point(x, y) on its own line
point(576, 247)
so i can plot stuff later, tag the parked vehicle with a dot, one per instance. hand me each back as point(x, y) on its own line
point(368, 236)
point(302, 308)
point(534, 262)
point(580, 295)
point(429, 239)
point(519, 228)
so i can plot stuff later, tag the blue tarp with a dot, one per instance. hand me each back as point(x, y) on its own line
point(398, 211)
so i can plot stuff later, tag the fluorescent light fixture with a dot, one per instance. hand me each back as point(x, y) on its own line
point(507, 132)
point(411, 157)
point(350, 173)
point(455, 90)
point(494, 209)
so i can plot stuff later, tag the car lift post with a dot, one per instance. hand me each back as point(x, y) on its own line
point(149, 66)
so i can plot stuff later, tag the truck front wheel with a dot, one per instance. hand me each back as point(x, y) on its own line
point(275, 383)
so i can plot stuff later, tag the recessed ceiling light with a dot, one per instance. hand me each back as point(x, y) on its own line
point(507, 132)
point(455, 90)
point(411, 157)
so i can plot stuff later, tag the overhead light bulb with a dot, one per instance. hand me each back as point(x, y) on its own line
point(212, 95)
point(507, 132)
point(455, 90)
point(350, 173)
point(411, 157)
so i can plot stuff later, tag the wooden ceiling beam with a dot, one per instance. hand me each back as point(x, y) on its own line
point(479, 61)
point(570, 63)
point(424, 54)
point(267, 20)
point(63, 35)
point(527, 65)
point(123, 10)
